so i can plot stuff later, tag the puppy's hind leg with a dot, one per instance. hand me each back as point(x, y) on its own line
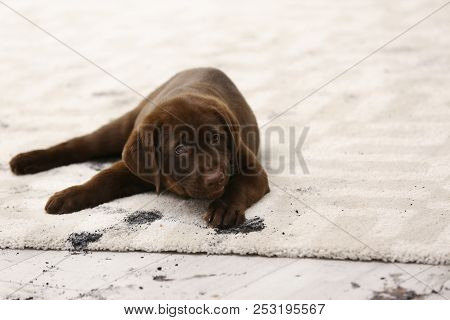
point(112, 183)
point(106, 141)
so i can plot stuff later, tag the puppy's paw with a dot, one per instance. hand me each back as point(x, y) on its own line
point(221, 214)
point(69, 200)
point(29, 162)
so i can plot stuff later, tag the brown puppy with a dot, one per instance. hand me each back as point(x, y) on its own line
point(195, 135)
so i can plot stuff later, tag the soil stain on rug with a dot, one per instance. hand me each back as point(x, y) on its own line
point(255, 224)
point(80, 240)
point(143, 217)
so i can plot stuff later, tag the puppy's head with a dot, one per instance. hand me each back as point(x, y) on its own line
point(188, 145)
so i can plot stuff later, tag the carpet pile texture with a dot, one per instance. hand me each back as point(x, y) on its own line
point(374, 183)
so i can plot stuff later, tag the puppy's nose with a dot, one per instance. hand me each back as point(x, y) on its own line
point(214, 179)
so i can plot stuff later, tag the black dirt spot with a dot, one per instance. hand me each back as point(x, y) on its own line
point(161, 278)
point(143, 217)
point(80, 240)
point(397, 293)
point(355, 285)
point(255, 224)
point(305, 189)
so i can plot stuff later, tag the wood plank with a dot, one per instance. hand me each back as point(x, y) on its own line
point(88, 271)
point(9, 258)
point(328, 279)
point(136, 275)
point(191, 277)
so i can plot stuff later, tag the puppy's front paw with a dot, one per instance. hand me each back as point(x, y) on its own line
point(67, 201)
point(220, 214)
point(29, 162)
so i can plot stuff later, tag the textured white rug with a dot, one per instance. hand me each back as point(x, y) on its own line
point(378, 147)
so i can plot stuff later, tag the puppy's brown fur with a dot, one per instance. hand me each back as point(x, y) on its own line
point(191, 99)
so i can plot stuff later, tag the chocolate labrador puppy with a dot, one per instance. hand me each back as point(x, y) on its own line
point(195, 136)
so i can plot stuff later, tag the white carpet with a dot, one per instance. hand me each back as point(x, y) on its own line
point(378, 148)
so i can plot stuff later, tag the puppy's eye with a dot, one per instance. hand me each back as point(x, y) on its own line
point(180, 149)
point(215, 139)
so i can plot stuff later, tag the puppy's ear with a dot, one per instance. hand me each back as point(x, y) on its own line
point(141, 155)
point(234, 136)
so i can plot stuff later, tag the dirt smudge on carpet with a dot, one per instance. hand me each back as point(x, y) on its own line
point(255, 224)
point(143, 217)
point(81, 240)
